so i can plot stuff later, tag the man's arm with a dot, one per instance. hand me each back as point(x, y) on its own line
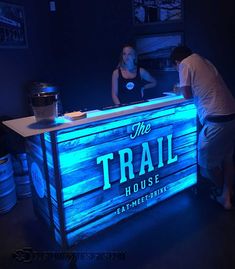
point(187, 92)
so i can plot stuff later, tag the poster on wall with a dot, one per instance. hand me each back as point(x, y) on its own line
point(12, 26)
point(154, 50)
point(157, 11)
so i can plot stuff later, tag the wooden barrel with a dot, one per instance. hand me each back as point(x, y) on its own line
point(21, 175)
point(7, 185)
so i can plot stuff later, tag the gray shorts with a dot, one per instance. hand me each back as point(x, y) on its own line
point(216, 142)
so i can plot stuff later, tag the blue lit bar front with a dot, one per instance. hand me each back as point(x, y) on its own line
point(89, 176)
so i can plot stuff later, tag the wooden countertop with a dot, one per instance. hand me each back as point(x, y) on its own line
point(28, 126)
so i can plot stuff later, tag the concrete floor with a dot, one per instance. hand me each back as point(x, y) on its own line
point(185, 231)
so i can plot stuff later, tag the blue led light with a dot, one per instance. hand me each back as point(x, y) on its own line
point(112, 168)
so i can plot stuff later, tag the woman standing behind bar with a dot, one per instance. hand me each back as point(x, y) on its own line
point(129, 80)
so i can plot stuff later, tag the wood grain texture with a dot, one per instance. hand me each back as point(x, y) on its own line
point(87, 206)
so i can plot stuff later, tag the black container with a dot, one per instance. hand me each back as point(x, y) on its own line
point(44, 99)
point(45, 106)
point(43, 94)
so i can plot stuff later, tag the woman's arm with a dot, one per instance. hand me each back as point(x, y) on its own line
point(115, 87)
point(146, 76)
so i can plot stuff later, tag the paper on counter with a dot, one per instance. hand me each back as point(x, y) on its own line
point(75, 115)
point(169, 93)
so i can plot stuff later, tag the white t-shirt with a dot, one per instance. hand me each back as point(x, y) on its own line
point(211, 95)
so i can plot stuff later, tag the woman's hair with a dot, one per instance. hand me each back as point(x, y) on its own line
point(179, 53)
point(120, 63)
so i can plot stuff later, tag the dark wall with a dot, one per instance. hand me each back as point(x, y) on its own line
point(77, 47)
point(18, 67)
point(210, 30)
point(93, 33)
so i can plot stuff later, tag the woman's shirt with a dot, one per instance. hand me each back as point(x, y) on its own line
point(129, 89)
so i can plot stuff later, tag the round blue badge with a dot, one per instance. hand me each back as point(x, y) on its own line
point(130, 86)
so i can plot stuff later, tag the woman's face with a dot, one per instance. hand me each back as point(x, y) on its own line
point(128, 55)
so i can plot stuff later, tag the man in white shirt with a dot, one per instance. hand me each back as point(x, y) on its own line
point(200, 80)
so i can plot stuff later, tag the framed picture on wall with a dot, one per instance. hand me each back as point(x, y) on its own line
point(12, 26)
point(157, 11)
point(154, 50)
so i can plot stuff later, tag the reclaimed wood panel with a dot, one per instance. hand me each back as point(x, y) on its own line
point(73, 159)
point(99, 224)
point(108, 170)
point(88, 184)
point(97, 204)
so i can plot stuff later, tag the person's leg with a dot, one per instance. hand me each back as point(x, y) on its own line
point(215, 176)
point(225, 198)
point(216, 142)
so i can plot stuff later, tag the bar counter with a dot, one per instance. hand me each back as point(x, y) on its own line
point(91, 173)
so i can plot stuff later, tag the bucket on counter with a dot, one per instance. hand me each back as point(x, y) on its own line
point(45, 107)
point(7, 185)
point(21, 175)
point(45, 101)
